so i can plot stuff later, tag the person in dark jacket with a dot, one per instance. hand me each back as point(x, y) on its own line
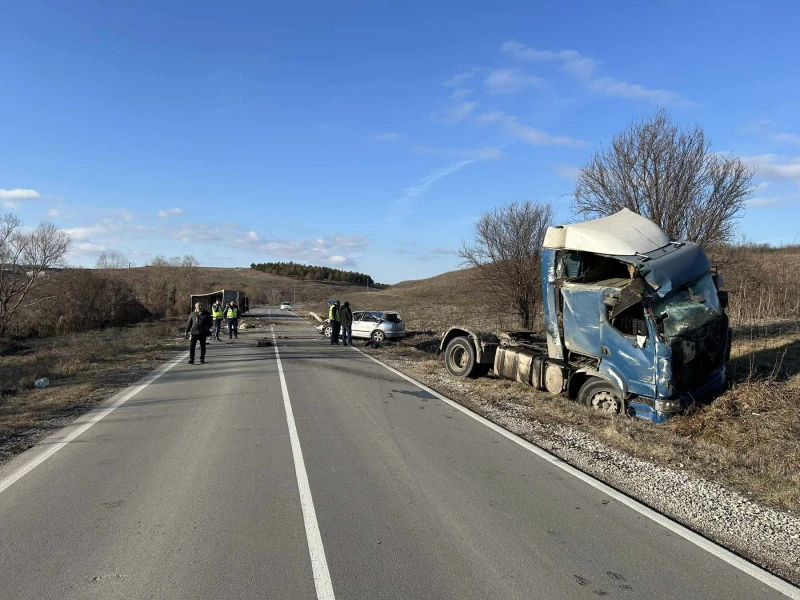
point(333, 317)
point(197, 330)
point(346, 319)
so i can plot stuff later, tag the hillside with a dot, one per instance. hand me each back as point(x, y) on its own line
point(434, 304)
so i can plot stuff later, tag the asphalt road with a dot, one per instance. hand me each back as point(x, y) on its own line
point(191, 489)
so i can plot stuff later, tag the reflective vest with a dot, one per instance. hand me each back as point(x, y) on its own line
point(333, 313)
point(216, 311)
point(233, 312)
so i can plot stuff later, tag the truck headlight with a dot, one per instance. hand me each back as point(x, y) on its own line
point(668, 405)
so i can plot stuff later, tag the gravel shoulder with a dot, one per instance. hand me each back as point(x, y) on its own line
point(767, 536)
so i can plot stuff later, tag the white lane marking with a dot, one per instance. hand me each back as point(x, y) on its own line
point(94, 418)
point(319, 565)
point(773, 581)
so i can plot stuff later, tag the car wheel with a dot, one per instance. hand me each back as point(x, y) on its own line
point(460, 359)
point(601, 396)
point(328, 331)
point(378, 335)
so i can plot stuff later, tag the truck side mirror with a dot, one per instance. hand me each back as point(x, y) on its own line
point(723, 298)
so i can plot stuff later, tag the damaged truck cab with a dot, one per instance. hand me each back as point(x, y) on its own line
point(635, 322)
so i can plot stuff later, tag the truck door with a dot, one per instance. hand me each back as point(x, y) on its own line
point(628, 349)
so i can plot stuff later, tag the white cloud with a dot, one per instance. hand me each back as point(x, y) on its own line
point(511, 81)
point(252, 235)
point(427, 182)
point(459, 106)
point(458, 111)
point(583, 69)
point(387, 136)
point(759, 201)
point(786, 138)
point(526, 133)
point(18, 194)
point(170, 212)
point(568, 172)
point(774, 167)
point(86, 231)
point(487, 153)
point(460, 79)
point(337, 259)
point(54, 212)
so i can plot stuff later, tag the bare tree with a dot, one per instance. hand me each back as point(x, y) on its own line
point(507, 250)
point(669, 175)
point(24, 260)
point(111, 260)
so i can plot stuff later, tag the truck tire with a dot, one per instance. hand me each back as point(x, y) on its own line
point(459, 358)
point(601, 396)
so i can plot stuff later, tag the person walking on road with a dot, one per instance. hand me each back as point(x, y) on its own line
point(333, 317)
point(232, 314)
point(346, 319)
point(197, 330)
point(217, 314)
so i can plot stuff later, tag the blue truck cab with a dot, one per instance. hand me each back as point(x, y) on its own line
point(635, 322)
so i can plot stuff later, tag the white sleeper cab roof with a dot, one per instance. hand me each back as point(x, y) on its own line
point(625, 233)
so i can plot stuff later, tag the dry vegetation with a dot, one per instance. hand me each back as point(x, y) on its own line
point(748, 439)
point(83, 369)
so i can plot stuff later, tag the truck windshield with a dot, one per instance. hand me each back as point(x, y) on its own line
point(690, 307)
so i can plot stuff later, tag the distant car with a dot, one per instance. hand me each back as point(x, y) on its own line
point(286, 306)
point(377, 325)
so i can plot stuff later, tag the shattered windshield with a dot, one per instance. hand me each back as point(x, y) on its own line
point(691, 307)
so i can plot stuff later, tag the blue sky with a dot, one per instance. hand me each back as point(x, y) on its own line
point(367, 135)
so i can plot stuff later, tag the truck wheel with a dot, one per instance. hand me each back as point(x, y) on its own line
point(459, 358)
point(600, 396)
point(378, 335)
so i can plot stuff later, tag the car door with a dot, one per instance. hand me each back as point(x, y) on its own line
point(368, 324)
point(357, 324)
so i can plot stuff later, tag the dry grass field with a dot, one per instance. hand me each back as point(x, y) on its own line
point(83, 369)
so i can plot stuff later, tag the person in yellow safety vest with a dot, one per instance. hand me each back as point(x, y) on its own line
point(333, 317)
point(232, 314)
point(217, 314)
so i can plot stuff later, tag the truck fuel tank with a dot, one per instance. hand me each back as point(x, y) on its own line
point(529, 367)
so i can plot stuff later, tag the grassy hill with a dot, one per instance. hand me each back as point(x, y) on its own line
point(434, 304)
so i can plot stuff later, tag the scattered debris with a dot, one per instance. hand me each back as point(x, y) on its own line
point(42, 382)
point(264, 342)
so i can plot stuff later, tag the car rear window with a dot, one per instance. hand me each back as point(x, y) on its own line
point(393, 317)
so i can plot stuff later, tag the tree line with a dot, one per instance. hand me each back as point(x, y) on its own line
point(315, 273)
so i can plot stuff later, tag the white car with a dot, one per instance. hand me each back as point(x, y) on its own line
point(377, 325)
point(286, 306)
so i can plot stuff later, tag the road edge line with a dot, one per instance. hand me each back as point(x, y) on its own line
point(316, 551)
point(99, 414)
point(769, 579)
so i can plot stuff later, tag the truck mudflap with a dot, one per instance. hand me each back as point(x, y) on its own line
point(485, 343)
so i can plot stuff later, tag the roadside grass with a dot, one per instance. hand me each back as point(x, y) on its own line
point(83, 369)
